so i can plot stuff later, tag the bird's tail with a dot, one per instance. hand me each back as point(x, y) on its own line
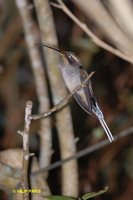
point(100, 117)
point(106, 129)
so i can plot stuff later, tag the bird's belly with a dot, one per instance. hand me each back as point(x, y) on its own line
point(72, 80)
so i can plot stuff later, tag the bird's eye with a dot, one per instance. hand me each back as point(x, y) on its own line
point(69, 56)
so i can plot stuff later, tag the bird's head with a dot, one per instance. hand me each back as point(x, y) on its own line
point(68, 57)
point(72, 58)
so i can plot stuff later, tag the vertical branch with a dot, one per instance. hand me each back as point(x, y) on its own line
point(41, 88)
point(63, 119)
point(26, 155)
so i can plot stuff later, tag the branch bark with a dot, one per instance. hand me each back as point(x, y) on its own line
point(63, 119)
point(26, 154)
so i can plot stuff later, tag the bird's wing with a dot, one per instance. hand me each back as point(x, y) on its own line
point(84, 99)
point(82, 104)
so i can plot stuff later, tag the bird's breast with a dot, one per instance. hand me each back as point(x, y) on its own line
point(72, 80)
point(71, 77)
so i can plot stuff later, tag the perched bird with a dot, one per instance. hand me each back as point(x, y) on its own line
point(73, 75)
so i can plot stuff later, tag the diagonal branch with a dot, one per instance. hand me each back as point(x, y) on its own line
point(85, 151)
point(93, 37)
point(63, 102)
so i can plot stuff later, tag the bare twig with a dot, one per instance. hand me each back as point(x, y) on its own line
point(63, 102)
point(86, 151)
point(93, 37)
point(26, 155)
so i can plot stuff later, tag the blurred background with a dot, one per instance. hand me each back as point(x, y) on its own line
point(112, 82)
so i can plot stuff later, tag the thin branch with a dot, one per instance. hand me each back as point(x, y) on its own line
point(26, 155)
point(85, 151)
point(63, 102)
point(93, 37)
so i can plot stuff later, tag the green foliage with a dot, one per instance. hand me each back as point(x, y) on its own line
point(57, 197)
point(84, 197)
point(94, 194)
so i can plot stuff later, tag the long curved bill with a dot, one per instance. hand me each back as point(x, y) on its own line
point(51, 47)
point(106, 129)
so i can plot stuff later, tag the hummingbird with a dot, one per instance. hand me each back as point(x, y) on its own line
point(74, 74)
